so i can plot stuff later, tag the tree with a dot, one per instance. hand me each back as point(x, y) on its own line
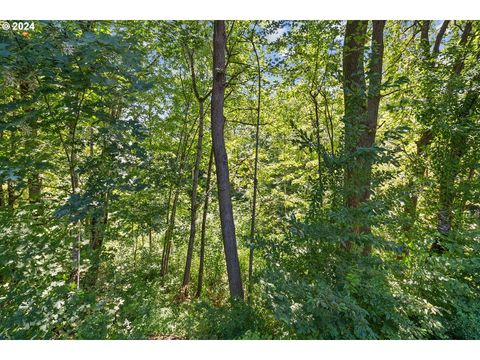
point(255, 167)
point(361, 114)
point(221, 161)
point(198, 157)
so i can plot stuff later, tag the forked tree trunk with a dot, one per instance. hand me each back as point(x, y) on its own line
point(221, 161)
point(196, 171)
point(361, 115)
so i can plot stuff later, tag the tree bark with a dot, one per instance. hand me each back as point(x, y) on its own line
point(204, 225)
point(194, 206)
point(221, 161)
point(361, 115)
point(196, 171)
point(354, 89)
point(313, 95)
point(373, 103)
point(2, 195)
point(10, 184)
point(150, 243)
point(181, 154)
point(169, 233)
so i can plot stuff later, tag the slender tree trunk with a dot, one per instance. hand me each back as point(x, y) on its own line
point(169, 233)
point(2, 192)
point(314, 95)
point(221, 161)
point(167, 222)
point(10, 184)
point(77, 254)
point(194, 206)
point(204, 226)
point(135, 235)
point(255, 171)
point(34, 179)
point(181, 154)
point(150, 244)
point(75, 184)
point(367, 139)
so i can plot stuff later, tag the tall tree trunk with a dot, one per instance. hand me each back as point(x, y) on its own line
point(367, 139)
point(201, 100)
point(193, 204)
point(221, 161)
point(255, 171)
point(2, 195)
point(314, 95)
point(75, 186)
point(361, 114)
point(354, 89)
point(204, 226)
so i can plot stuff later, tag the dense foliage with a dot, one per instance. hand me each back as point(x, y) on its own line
point(355, 144)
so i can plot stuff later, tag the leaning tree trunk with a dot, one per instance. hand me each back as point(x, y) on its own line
point(221, 161)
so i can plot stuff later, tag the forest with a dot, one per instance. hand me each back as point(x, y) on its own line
point(240, 179)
